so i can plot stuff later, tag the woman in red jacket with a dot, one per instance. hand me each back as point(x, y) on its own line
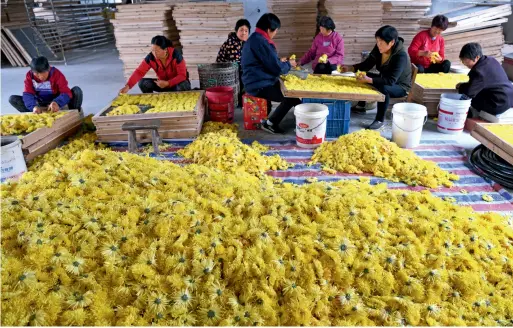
point(168, 64)
point(427, 49)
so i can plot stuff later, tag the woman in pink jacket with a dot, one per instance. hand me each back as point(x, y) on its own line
point(326, 42)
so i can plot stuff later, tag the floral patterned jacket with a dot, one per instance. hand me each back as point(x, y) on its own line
point(231, 50)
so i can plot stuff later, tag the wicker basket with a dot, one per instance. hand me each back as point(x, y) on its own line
point(220, 75)
point(216, 75)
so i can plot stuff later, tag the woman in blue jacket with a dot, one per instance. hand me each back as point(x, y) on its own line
point(262, 68)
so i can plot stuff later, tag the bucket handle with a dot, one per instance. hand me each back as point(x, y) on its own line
point(309, 130)
point(400, 128)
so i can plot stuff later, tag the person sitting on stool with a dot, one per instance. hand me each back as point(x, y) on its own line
point(327, 42)
point(46, 86)
point(428, 46)
point(488, 84)
point(168, 64)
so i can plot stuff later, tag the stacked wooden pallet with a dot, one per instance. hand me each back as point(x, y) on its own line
point(134, 27)
point(14, 16)
point(204, 27)
point(294, 37)
point(405, 15)
point(357, 22)
point(45, 139)
point(177, 124)
point(474, 23)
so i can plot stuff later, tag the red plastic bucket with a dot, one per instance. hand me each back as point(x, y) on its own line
point(219, 95)
point(220, 104)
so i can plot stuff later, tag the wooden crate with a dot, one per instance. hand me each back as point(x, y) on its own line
point(429, 97)
point(331, 95)
point(493, 141)
point(174, 125)
point(45, 139)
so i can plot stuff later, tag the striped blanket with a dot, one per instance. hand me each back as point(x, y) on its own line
point(443, 152)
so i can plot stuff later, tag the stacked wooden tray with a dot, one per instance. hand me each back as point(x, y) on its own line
point(204, 27)
point(494, 142)
point(134, 27)
point(405, 15)
point(174, 125)
point(294, 38)
point(45, 139)
point(429, 97)
point(357, 22)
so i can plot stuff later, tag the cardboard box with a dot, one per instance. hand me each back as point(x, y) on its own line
point(255, 111)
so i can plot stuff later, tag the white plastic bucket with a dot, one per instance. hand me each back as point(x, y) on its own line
point(452, 113)
point(13, 162)
point(310, 124)
point(407, 122)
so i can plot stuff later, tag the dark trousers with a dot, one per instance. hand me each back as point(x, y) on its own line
point(74, 103)
point(390, 91)
point(273, 93)
point(443, 67)
point(149, 86)
point(324, 68)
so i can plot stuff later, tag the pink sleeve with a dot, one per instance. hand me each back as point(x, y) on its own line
point(338, 57)
point(413, 49)
point(310, 55)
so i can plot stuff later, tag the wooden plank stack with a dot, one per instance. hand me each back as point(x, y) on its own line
point(45, 139)
point(204, 27)
point(357, 22)
point(14, 16)
point(405, 15)
point(298, 25)
point(474, 23)
point(135, 25)
point(173, 124)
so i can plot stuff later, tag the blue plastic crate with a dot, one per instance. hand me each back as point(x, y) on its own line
point(337, 123)
point(336, 128)
point(339, 109)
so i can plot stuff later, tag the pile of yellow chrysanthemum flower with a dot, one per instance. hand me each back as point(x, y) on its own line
point(327, 83)
point(367, 151)
point(124, 110)
point(105, 238)
point(440, 80)
point(222, 149)
point(26, 123)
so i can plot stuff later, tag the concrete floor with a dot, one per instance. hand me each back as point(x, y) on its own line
point(100, 75)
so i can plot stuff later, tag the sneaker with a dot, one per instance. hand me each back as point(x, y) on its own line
point(375, 125)
point(274, 129)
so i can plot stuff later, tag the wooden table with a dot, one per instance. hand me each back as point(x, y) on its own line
point(331, 95)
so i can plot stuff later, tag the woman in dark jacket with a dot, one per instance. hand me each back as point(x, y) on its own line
point(394, 66)
point(261, 70)
point(488, 84)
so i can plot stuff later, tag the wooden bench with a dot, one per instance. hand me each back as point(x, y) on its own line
point(133, 127)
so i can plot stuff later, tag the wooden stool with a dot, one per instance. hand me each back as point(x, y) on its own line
point(132, 128)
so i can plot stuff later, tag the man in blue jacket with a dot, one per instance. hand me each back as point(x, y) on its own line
point(262, 68)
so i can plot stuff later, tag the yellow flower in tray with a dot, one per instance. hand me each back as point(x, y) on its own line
point(440, 80)
point(94, 237)
point(327, 83)
point(124, 110)
point(26, 123)
point(367, 151)
point(161, 102)
point(360, 74)
point(504, 131)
